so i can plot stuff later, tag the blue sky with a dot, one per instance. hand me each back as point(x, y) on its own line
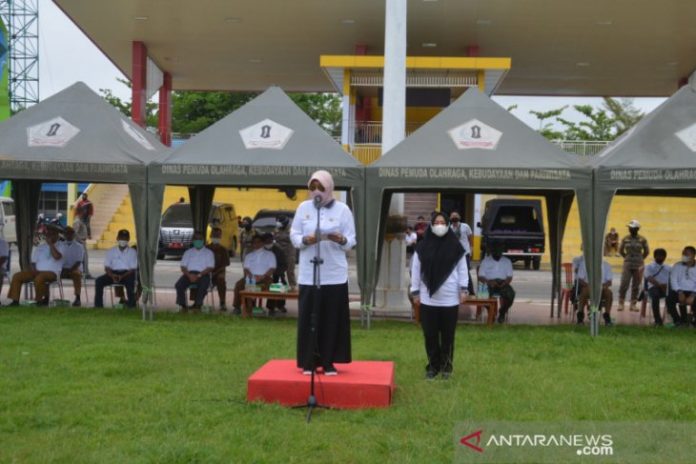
point(67, 56)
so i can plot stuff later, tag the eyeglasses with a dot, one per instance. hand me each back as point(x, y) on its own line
point(316, 186)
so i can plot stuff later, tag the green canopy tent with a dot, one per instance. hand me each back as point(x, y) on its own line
point(656, 157)
point(268, 143)
point(474, 145)
point(75, 136)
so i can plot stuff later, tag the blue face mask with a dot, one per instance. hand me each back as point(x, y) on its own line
point(198, 244)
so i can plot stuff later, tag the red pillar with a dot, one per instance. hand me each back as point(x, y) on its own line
point(165, 110)
point(139, 82)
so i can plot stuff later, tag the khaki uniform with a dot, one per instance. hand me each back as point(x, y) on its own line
point(283, 242)
point(222, 260)
point(634, 250)
point(245, 239)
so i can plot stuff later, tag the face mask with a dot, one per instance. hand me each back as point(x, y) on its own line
point(325, 197)
point(123, 243)
point(279, 225)
point(440, 230)
point(215, 241)
point(198, 244)
point(268, 246)
point(685, 259)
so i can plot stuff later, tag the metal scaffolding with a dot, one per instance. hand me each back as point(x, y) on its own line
point(22, 20)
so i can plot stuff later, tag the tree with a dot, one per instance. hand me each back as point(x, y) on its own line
point(547, 129)
point(192, 112)
point(623, 112)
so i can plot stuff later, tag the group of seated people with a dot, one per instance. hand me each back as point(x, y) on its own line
point(202, 267)
point(675, 284)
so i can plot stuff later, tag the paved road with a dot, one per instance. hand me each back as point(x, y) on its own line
point(530, 285)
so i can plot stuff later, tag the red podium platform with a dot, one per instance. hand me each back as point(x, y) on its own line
point(360, 384)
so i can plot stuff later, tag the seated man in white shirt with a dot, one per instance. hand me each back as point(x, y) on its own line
point(656, 281)
point(259, 265)
point(607, 296)
point(120, 264)
point(46, 264)
point(196, 265)
point(496, 272)
point(73, 256)
point(682, 288)
point(4, 259)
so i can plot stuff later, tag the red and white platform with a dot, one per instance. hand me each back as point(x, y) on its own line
point(360, 384)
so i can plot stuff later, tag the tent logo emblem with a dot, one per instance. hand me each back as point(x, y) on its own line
point(688, 136)
point(56, 132)
point(266, 134)
point(265, 131)
point(475, 134)
point(53, 130)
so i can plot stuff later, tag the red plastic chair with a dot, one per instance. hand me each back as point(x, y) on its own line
point(567, 286)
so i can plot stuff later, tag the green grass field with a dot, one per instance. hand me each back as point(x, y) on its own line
point(103, 386)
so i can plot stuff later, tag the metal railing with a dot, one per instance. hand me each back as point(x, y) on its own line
point(582, 147)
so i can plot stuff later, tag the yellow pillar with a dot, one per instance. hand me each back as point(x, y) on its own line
point(481, 79)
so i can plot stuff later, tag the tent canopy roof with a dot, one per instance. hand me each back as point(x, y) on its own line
point(664, 139)
point(75, 135)
point(268, 141)
point(658, 153)
point(476, 132)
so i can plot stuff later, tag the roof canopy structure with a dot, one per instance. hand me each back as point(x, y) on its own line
point(74, 136)
point(269, 142)
point(594, 47)
point(655, 157)
point(474, 145)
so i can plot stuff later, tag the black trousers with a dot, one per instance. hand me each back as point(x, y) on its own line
point(656, 293)
point(275, 304)
point(105, 281)
point(682, 316)
point(329, 306)
point(439, 326)
point(202, 286)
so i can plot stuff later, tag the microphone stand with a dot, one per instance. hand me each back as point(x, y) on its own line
point(314, 315)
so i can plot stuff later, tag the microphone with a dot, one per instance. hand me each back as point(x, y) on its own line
point(317, 202)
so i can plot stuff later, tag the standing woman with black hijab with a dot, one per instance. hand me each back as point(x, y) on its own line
point(439, 282)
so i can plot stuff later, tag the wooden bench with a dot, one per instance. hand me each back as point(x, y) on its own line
point(247, 297)
point(490, 303)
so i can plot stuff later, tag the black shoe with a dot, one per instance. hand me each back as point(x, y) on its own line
point(77, 303)
point(237, 311)
point(13, 304)
point(330, 370)
point(43, 302)
point(430, 374)
point(282, 309)
point(607, 319)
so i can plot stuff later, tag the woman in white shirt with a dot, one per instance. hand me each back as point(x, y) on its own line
point(439, 282)
point(329, 303)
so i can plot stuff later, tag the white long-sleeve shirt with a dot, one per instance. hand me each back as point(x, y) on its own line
point(448, 294)
point(336, 219)
point(607, 274)
point(683, 278)
point(659, 272)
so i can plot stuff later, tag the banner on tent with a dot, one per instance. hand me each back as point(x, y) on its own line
point(61, 167)
point(651, 174)
point(245, 170)
point(475, 173)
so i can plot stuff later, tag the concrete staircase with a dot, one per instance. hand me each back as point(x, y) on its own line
point(106, 199)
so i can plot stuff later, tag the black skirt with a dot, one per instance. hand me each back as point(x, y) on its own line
point(333, 326)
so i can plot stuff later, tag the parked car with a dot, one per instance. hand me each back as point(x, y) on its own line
point(176, 228)
point(265, 219)
point(8, 222)
point(518, 225)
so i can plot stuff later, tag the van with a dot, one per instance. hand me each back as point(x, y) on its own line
point(8, 221)
point(176, 228)
point(518, 225)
